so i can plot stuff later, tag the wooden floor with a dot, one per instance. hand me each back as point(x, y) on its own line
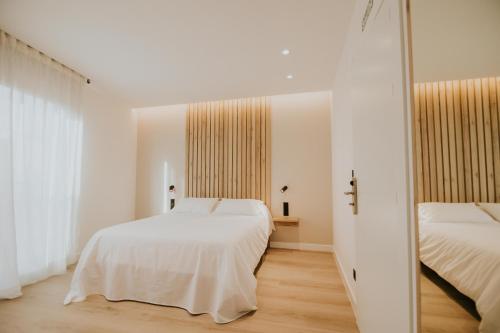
point(441, 314)
point(297, 292)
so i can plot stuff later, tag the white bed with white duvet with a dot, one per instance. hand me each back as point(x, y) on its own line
point(200, 257)
point(461, 242)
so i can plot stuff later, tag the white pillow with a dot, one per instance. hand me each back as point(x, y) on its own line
point(493, 209)
point(436, 212)
point(195, 205)
point(239, 207)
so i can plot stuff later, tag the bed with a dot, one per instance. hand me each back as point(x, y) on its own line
point(201, 261)
point(461, 243)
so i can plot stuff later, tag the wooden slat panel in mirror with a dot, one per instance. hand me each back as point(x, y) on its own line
point(229, 149)
point(457, 140)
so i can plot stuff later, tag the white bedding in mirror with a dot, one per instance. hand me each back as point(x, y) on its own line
point(493, 209)
point(439, 212)
point(202, 263)
point(467, 255)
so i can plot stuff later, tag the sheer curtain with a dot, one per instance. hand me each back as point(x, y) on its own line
point(40, 152)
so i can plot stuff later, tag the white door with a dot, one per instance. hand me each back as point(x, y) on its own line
point(381, 152)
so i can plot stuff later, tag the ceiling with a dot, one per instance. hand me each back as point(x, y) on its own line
point(158, 52)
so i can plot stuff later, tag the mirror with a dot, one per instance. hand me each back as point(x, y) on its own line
point(456, 121)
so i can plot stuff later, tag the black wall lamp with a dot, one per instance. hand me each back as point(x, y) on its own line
point(171, 190)
point(285, 203)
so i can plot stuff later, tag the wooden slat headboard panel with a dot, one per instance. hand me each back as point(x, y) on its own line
point(228, 149)
point(456, 128)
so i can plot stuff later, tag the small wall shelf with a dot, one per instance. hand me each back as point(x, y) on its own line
point(286, 220)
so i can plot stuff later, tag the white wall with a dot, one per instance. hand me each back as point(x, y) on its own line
point(455, 39)
point(161, 142)
point(108, 163)
point(342, 165)
point(301, 158)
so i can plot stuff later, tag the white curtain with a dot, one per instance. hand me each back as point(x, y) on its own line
point(40, 152)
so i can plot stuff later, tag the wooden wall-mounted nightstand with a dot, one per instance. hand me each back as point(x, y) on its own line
point(286, 220)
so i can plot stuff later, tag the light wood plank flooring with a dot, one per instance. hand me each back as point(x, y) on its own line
point(297, 292)
point(441, 314)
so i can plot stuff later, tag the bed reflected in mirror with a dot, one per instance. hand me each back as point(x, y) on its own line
point(456, 125)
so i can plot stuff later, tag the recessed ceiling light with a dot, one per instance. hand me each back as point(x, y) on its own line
point(285, 52)
point(289, 76)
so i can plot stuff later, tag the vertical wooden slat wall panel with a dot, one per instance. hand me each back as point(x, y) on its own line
point(249, 147)
point(221, 149)
point(226, 151)
point(229, 149)
point(197, 150)
point(490, 178)
point(234, 147)
point(215, 145)
point(237, 161)
point(445, 141)
point(418, 147)
point(432, 141)
point(268, 150)
point(474, 154)
point(453, 121)
point(457, 134)
point(483, 187)
point(438, 142)
point(495, 133)
point(262, 159)
point(257, 149)
point(207, 150)
point(456, 145)
point(497, 178)
point(186, 181)
point(244, 148)
point(197, 154)
point(425, 144)
point(466, 145)
point(212, 150)
point(234, 111)
point(200, 148)
point(252, 155)
point(203, 149)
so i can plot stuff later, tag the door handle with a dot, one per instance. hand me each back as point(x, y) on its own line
point(354, 193)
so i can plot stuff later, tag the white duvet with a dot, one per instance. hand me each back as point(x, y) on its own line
point(468, 256)
point(202, 263)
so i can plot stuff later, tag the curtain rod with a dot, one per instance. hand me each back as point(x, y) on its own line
point(87, 80)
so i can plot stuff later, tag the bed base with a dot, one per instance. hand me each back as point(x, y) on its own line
point(256, 270)
point(465, 302)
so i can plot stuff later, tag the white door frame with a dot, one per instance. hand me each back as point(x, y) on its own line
point(413, 218)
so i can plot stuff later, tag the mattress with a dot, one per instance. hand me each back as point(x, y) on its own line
point(202, 263)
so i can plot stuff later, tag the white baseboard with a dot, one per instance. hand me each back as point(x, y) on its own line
point(350, 292)
point(302, 246)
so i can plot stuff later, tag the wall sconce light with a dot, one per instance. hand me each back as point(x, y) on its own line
point(171, 190)
point(285, 203)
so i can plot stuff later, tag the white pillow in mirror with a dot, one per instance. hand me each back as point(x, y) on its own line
point(195, 205)
point(239, 207)
point(493, 209)
point(437, 212)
